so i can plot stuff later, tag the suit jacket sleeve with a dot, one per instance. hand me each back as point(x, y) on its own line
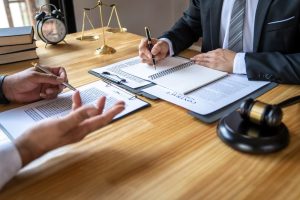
point(276, 54)
point(274, 66)
point(187, 29)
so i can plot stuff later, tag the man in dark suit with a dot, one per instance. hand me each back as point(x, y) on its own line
point(267, 48)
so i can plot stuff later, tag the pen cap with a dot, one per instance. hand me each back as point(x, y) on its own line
point(148, 35)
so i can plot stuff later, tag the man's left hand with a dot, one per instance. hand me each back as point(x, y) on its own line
point(219, 59)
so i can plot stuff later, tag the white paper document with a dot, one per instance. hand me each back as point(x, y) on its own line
point(14, 122)
point(116, 73)
point(3, 138)
point(212, 97)
point(176, 73)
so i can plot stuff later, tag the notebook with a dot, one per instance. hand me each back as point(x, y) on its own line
point(176, 73)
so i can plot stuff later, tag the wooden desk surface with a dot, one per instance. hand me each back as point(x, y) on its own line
point(158, 153)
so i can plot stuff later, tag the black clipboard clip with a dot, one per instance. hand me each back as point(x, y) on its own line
point(110, 83)
point(113, 77)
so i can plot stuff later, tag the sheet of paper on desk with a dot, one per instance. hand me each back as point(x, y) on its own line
point(116, 69)
point(176, 73)
point(3, 137)
point(14, 122)
point(211, 97)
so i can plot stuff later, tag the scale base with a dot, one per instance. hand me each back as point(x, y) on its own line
point(88, 38)
point(116, 30)
point(105, 50)
point(247, 137)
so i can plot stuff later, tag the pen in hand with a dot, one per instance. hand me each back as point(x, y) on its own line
point(150, 45)
point(37, 66)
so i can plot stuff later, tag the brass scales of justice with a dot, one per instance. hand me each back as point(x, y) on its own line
point(104, 49)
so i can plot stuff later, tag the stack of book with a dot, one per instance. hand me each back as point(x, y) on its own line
point(17, 44)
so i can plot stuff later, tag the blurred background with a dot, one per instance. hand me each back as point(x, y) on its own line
point(134, 14)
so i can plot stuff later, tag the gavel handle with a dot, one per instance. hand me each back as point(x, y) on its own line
point(289, 102)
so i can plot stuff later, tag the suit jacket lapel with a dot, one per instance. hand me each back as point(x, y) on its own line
point(261, 13)
point(215, 21)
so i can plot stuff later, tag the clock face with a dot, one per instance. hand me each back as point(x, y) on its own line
point(53, 30)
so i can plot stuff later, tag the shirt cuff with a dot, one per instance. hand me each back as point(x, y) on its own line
point(171, 51)
point(10, 162)
point(239, 64)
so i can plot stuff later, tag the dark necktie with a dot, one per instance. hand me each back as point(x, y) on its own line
point(235, 41)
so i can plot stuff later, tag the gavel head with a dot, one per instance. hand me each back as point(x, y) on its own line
point(261, 113)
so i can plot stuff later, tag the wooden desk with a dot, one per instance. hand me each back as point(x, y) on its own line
point(158, 153)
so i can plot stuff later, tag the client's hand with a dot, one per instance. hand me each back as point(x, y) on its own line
point(30, 85)
point(54, 133)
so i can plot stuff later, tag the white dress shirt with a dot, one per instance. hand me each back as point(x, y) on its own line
point(10, 162)
point(239, 66)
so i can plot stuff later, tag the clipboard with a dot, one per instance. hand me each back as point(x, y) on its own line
point(30, 114)
point(213, 117)
point(136, 91)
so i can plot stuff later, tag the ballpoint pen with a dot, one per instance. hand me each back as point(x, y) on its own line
point(150, 45)
point(37, 66)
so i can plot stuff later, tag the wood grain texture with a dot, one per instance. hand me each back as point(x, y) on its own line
point(157, 153)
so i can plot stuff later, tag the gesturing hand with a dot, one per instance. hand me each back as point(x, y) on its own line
point(54, 133)
point(219, 59)
point(30, 85)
